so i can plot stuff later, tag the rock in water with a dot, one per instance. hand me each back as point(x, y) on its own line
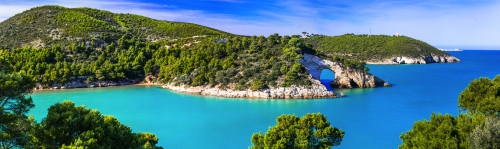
point(345, 77)
point(432, 58)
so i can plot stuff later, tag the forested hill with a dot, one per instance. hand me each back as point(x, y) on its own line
point(60, 46)
point(56, 46)
point(49, 25)
point(372, 47)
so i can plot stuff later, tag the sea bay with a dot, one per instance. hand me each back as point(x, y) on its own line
point(371, 118)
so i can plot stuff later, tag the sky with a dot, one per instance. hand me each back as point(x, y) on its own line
point(464, 24)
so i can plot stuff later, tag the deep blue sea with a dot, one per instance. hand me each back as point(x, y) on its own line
point(371, 118)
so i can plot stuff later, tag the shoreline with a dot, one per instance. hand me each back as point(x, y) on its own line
point(293, 92)
point(146, 84)
point(54, 89)
point(415, 60)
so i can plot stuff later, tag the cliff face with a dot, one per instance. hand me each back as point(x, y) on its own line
point(345, 77)
point(418, 60)
point(317, 90)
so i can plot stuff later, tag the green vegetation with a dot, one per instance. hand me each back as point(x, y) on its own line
point(481, 96)
point(55, 25)
point(145, 27)
point(441, 131)
point(14, 124)
point(57, 45)
point(234, 62)
point(357, 65)
point(374, 47)
point(78, 24)
point(84, 44)
point(58, 65)
point(486, 136)
point(66, 125)
point(70, 126)
point(310, 131)
point(467, 130)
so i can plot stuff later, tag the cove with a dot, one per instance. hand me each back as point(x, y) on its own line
point(371, 118)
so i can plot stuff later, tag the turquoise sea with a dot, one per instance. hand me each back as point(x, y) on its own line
point(371, 118)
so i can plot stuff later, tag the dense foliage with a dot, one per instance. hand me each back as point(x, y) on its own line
point(310, 131)
point(13, 88)
point(369, 48)
point(479, 101)
point(441, 131)
point(481, 96)
point(14, 125)
point(66, 126)
point(153, 30)
point(60, 65)
point(70, 126)
point(486, 136)
point(233, 62)
point(84, 44)
point(56, 25)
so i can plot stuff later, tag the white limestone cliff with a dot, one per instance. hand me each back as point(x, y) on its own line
point(317, 90)
point(417, 60)
point(345, 77)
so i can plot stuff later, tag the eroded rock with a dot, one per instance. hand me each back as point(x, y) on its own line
point(345, 77)
point(417, 60)
point(316, 90)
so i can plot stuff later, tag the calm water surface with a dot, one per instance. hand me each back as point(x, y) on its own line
point(371, 118)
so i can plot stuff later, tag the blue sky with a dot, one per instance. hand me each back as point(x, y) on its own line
point(465, 24)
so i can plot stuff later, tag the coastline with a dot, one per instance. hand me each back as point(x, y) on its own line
point(292, 92)
point(133, 84)
point(147, 84)
point(346, 77)
point(415, 60)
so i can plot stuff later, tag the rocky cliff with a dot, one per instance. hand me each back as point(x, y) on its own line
point(317, 90)
point(345, 77)
point(417, 60)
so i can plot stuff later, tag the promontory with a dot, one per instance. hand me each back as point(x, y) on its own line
point(84, 47)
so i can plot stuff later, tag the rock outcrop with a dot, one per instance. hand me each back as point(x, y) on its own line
point(417, 60)
point(317, 90)
point(345, 77)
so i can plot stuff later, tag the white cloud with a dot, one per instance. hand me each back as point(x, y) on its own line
point(446, 25)
point(229, 1)
point(439, 24)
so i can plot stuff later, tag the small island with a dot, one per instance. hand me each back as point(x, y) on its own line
point(82, 47)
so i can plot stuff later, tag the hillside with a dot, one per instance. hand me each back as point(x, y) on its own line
point(372, 48)
point(83, 47)
point(50, 25)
